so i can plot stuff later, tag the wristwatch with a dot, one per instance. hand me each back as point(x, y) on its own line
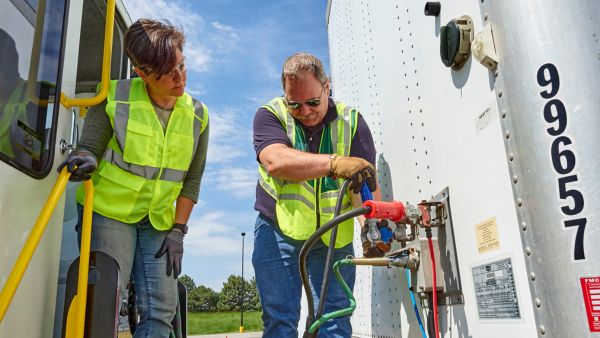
point(182, 227)
point(331, 158)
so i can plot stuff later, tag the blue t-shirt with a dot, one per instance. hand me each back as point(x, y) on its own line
point(267, 130)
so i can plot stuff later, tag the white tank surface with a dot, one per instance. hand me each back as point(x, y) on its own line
point(511, 141)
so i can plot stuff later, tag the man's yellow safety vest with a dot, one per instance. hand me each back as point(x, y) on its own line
point(302, 207)
point(143, 168)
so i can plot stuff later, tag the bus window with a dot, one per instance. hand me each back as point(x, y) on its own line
point(30, 54)
point(91, 47)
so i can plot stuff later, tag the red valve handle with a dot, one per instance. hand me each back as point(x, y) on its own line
point(425, 216)
point(393, 210)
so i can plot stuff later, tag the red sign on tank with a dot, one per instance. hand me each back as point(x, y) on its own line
point(591, 296)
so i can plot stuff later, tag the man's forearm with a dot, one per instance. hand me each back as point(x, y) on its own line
point(290, 164)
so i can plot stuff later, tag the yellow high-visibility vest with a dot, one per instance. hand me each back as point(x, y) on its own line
point(302, 207)
point(143, 168)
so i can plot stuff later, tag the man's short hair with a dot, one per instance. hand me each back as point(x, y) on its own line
point(151, 45)
point(298, 63)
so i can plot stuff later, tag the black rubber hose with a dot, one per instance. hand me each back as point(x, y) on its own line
point(330, 252)
point(430, 321)
point(306, 247)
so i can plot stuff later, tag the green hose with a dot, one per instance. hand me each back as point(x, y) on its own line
point(342, 312)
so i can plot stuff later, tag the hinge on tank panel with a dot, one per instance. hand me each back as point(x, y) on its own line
point(484, 48)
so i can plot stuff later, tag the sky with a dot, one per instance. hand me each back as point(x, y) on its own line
point(234, 52)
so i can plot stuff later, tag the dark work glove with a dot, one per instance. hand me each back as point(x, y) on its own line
point(81, 164)
point(173, 247)
point(355, 169)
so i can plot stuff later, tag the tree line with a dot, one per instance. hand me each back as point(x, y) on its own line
point(204, 299)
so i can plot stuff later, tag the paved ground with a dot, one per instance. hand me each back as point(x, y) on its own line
point(231, 335)
point(219, 335)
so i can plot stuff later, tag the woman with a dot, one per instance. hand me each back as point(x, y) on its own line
point(150, 139)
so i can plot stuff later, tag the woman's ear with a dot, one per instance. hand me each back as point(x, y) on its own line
point(141, 74)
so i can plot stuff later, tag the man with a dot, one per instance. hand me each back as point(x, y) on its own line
point(151, 139)
point(304, 141)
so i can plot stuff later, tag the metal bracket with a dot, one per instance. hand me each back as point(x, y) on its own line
point(442, 229)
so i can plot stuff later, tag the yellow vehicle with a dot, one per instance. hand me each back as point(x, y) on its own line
point(51, 52)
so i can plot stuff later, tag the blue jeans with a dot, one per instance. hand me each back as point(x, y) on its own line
point(133, 246)
point(275, 261)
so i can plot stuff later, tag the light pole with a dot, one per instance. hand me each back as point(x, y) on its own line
point(242, 298)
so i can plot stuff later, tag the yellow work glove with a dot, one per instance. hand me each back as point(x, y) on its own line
point(355, 169)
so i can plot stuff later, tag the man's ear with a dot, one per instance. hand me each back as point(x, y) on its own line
point(328, 88)
point(141, 74)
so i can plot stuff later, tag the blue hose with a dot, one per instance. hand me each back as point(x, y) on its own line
point(365, 193)
point(414, 304)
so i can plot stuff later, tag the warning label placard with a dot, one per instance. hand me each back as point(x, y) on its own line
point(591, 296)
point(487, 235)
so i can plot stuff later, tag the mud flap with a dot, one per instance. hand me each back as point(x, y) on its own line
point(180, 321)
point(102, 309)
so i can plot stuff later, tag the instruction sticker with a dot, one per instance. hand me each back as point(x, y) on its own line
point(591, 296)
point(495, 290)
point(487, 235)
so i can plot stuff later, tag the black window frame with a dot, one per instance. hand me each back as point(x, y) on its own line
point(51, 138)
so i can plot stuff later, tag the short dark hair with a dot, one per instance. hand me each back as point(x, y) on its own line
point(150, 45)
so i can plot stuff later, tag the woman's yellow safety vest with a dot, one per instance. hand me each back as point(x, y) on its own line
point(143, 168)
point(302, 207)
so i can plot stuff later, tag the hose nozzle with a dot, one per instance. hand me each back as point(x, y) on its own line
point(404, 258)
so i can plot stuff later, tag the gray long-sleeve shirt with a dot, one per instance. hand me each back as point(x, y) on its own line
point(97, 132)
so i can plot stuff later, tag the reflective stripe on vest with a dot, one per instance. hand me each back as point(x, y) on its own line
point(296, 201)
point(120, 129)
point(143, 167)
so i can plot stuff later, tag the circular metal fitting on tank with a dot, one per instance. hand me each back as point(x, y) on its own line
point(455, 42)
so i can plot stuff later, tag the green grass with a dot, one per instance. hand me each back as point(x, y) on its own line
point(223, 322)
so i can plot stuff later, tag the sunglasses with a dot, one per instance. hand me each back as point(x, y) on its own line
point(180, 67)
point(297, 105)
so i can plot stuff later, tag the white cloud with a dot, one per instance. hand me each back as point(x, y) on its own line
point(219, 153)
point(199, 56)
point(224, 124)
point(178, 13)
point(212, 233)
point(222, 27)
point(195, 90)
point(229, 136)
point(239, 182)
